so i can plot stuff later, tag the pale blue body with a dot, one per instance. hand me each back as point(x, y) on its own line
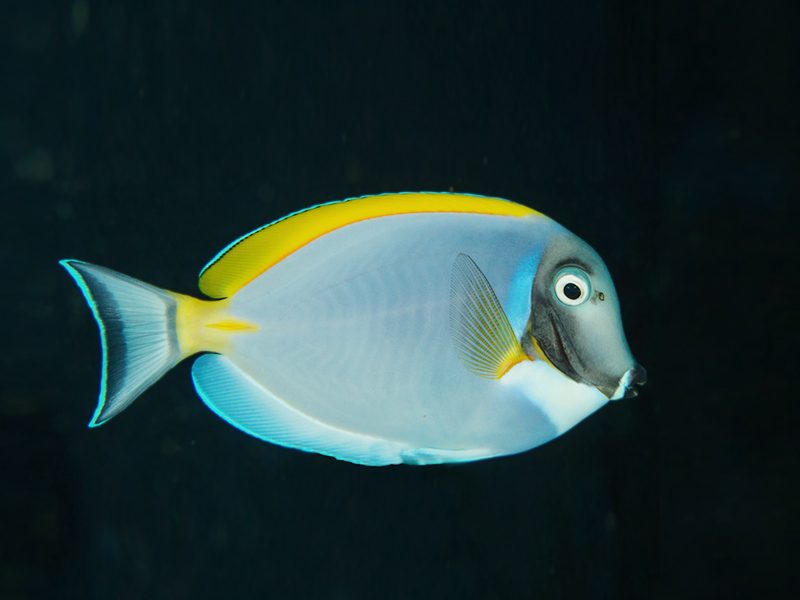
point(354, 345)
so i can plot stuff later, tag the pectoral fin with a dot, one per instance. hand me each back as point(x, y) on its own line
point(480, 330)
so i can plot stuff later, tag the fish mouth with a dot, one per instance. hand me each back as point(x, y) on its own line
point(629, 384)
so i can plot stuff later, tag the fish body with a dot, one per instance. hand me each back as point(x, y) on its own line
point(399, 328)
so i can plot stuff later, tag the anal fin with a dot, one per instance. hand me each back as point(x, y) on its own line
point(241, 401)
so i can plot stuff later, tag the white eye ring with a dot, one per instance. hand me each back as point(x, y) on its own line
point(566, 282)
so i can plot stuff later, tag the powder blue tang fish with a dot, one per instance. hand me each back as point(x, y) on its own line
point(411, 328)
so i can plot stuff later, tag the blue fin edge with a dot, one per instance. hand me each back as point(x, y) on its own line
point(87, 294)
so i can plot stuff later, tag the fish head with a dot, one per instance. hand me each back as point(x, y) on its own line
point(575, 323)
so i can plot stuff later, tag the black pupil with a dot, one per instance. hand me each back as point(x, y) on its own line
point(572, 291)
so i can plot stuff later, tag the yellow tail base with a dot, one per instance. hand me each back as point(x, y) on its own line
point(206, 325)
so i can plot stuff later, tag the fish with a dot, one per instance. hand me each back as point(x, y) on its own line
point(401, 328)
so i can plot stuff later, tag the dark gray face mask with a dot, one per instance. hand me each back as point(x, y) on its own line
point(575, 321)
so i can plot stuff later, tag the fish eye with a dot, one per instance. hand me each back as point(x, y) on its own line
point(572, 286)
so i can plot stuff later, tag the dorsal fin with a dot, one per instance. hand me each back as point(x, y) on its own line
point(246, 258)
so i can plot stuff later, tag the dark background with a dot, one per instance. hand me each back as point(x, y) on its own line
point(147, 135)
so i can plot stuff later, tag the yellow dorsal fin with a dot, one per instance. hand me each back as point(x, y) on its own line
point(481, 333)
point(252, 254)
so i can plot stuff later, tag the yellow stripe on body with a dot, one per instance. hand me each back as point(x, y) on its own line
point(255, 253)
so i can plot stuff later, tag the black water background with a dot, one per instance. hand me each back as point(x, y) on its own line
point(146, 135)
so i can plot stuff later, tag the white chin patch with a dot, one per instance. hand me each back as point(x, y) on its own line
point(624, 383)
point(562, 400)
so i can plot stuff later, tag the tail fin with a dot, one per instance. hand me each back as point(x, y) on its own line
point(137, 325)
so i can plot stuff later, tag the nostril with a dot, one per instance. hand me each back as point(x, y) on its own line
point(638, 375)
